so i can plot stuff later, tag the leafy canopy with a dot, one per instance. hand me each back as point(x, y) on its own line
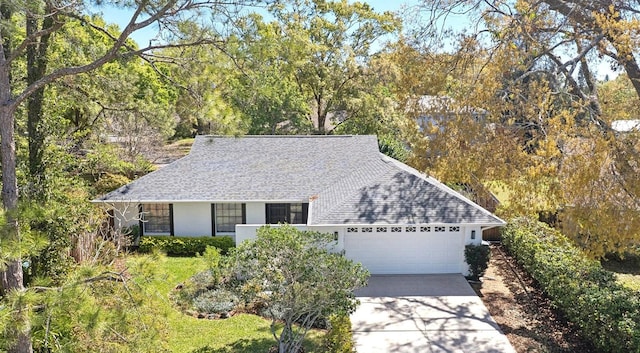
point(299, 278)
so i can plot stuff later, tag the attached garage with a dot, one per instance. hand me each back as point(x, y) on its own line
point(407, 249)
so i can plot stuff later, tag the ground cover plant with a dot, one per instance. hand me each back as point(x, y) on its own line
point(604, 310)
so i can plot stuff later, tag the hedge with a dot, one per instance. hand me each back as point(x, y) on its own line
point(184, 246)
point(606, 312)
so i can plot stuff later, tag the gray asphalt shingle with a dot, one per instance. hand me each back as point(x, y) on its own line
point(346, 178)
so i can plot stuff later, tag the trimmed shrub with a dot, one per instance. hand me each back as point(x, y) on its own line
point(339, 338)
point(477, 257)
point(606, 312)
point(184, 246)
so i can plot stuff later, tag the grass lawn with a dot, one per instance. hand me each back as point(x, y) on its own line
point(629, 280)
point(240, 333)
point(627, 271)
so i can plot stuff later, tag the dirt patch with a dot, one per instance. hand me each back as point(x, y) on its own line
point(523, 312)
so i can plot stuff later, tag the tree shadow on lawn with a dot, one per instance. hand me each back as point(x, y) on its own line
point(241, 346)
point(252, 346)
point(630, 264)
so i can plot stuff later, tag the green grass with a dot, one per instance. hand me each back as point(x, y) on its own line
point(241, 333)
point(627, 270)
point(629, 280)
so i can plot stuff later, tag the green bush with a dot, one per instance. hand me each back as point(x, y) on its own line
point(216, 301)
point(184, 246)
point(339, 338)
point(477, 257)
point(606, 312)
point(109, 182)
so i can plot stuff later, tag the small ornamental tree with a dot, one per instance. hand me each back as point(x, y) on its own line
point(298, 279)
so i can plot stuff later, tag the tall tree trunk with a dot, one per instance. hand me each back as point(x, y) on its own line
point(36, 67)
point(11, 280)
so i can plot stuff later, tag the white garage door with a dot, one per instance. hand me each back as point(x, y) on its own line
point(406, 250)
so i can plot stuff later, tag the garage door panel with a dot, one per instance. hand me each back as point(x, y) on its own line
point(406, 253)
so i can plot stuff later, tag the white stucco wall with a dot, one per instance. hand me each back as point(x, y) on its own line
point(192, 219)
point(248, 231)
point(468, 232)
point(255, 212)
point(339, 245)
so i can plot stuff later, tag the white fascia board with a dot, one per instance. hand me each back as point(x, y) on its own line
point(196, 201)
point(488, 225)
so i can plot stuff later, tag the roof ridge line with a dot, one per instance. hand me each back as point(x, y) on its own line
point(277, 136)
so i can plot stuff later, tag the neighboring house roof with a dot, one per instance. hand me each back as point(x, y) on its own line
point(345, 178)
point(626, 125)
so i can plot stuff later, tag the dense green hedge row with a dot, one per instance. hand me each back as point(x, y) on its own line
point(184, 246)
point(606, 312)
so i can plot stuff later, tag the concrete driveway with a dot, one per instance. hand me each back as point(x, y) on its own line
point(424, 313)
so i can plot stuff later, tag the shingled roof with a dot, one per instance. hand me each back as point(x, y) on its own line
point(345, 178)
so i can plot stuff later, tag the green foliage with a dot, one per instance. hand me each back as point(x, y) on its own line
point(184, 246)
point(203, 290)
point(339, 338)
point(109, 182)
point(204, 107)
point(214, 259)
point(306, 69)
point(477, 257)
point(240, 333)
point(607, 312)
point(298, 279)
point(94, 309)
point(194, 287)
point(12, 247)
point(393, 147)
point(104, 160)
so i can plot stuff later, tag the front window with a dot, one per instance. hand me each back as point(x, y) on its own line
point(156, 218)
point(292, 213)
point(227, 215)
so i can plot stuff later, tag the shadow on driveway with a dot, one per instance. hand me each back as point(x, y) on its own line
point(424, 313)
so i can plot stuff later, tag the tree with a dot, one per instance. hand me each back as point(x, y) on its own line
point(561, 38)
point(264, 87)
point(96, 308)
point(544, 135)
point(13, 92)
point(203, 105)
point(299, 278)
point(323, 48)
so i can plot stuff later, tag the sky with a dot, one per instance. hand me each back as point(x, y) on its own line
point(142, 37)
point(121, 17)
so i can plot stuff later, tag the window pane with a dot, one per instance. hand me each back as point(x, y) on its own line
point(227, 216)
point(296, 213)
point(277, 213)
point(156, 218)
